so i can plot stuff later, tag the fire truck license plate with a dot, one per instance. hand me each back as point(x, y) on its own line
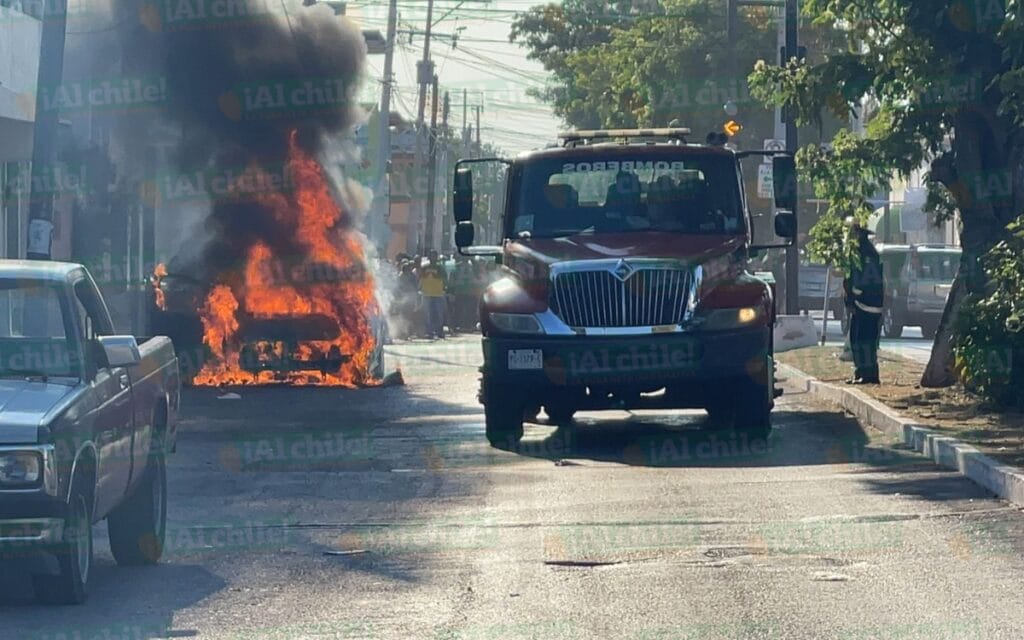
point(525, 359)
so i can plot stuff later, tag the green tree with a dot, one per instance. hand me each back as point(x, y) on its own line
point(941, 83)
point(614, 65)
point(554, 32)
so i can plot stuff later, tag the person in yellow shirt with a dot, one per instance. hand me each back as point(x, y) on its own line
point(433, 290)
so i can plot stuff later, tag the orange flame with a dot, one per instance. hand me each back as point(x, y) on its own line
point(263, 289)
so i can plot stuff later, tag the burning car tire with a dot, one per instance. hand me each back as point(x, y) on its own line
point(380, 338)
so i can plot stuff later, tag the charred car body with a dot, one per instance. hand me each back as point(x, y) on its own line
point(281, 344)
point(625, 256)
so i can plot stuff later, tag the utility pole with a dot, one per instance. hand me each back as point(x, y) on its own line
point(381, 194)
point(446, 110)
point(478, 149)
point(465, 123)
point(428, 240)
point(424, 77)
point(45, 129)
point(793, 251)
point(425, 69)
point(731, 34)
point(791, 49)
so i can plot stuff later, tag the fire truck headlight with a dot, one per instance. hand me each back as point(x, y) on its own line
point(746, 315)
point(730, 318)
point(516, 323)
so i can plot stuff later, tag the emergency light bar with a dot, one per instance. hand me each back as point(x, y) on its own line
point(672, 133)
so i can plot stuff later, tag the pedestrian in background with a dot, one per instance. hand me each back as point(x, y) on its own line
point(407, 298)
point(463, 289)
point(865, 295)
point(434, 295)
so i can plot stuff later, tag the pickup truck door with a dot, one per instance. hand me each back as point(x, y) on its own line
point(111, 413)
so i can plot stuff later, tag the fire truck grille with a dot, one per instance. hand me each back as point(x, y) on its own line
point(600, 299)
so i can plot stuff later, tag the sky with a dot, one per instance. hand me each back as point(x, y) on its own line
point(495, 72)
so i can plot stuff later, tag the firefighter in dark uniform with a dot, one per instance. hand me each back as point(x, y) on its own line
point(865, 293)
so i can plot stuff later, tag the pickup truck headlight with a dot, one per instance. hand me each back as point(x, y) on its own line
point(19, 469)
point(731, 318)
point(516, 322)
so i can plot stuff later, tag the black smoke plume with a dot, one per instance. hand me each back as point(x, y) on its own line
point(239, 86)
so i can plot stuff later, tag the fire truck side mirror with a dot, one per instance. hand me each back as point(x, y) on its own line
point(784, 182)
point(785, 224)
point(464, 235)
point(462, 198)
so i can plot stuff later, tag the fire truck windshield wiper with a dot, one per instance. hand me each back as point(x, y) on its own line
point(570, 232)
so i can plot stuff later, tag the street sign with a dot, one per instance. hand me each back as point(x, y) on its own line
point(772, 144)
point(764, 182)
point(732, 127)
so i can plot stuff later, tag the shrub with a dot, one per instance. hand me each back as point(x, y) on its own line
point(988, 345)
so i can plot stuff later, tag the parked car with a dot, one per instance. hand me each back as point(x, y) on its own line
point(812, 289)
point(86, 417)
point(918, 280)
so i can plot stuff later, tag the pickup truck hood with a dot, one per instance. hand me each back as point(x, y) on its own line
point(23, 404)
point(695, 249)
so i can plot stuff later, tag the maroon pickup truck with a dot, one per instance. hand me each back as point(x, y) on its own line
point(626, 284)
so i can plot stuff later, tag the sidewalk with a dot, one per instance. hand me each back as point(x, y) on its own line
point(953, 428)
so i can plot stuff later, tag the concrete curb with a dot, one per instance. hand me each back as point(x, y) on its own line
point(1006, 481)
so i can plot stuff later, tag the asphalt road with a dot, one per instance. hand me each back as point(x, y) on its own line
point(382, 513)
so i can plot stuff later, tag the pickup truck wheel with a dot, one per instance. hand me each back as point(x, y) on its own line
point(844, 321)
point(560, 414)
point(503, 415)
point(754, 410)
point(892, 323)
point(74, 556)
point(929, 328)
point(137, 527)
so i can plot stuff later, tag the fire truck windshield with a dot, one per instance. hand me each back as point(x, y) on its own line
point(688, 193)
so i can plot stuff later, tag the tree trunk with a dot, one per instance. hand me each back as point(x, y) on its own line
point(939, 372)
point(978, 156)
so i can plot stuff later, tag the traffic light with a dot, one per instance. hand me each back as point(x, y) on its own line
point(731, 128)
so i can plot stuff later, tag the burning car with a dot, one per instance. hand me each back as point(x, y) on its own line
point(300, 305)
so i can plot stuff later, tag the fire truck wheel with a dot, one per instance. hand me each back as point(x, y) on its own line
point(720, 412)
point(560, 413)
point(753, 410)
point(503, 415)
